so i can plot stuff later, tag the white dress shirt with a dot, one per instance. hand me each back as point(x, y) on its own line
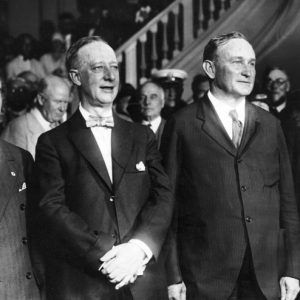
point(154, 124)
point(222, 110)
point(103, 138)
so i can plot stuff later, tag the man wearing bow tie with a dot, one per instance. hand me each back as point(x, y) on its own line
point(105, 200)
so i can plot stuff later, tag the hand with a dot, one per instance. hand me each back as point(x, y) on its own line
point(177, 291)
point(123, 263)
point(289, 288)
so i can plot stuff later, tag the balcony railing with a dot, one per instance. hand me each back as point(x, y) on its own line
point(166, 35)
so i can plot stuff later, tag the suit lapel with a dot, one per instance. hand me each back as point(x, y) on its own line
point(7, 181)
point(213, 127)
point(250, 128)
point(121, 147)
point(83, 139)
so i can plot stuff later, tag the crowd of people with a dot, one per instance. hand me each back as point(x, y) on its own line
point(140, 194)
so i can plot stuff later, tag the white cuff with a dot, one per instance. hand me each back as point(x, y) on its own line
point(144, 247)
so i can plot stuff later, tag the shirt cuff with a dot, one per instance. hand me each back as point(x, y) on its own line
point(144, 247)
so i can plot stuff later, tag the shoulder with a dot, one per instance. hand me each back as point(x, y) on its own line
point(15, 152)
point(265, 117)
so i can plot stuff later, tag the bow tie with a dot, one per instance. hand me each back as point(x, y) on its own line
point(100, 121)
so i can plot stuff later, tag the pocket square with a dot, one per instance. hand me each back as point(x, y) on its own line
point(23, 187)
point(140, 166)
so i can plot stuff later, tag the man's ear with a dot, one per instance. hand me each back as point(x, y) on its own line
point(288, 86)
point(40, 100)
point(75, 77)
point(209, 68)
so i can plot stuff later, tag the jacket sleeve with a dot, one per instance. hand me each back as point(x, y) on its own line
point(76, 242)
point(289, 217)
point(156, 215)
point(171, 151)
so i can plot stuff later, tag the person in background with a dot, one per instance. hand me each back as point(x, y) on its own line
point(25, 58)
point(125, 96)
point(230, 172)
point(152, 100)
point(48, 112)
point(200, 85)
point(18, 280)
point(104, 198)
point(172, 82)
point(54, 62)
point(277, 87)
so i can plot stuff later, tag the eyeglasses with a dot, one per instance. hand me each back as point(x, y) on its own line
point(278, 81)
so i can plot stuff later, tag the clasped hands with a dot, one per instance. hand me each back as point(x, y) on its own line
point(123, 263)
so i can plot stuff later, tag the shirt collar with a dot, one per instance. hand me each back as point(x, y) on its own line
point(154, 123)
point(86, 114)
point(38, 115)
point(223, 109)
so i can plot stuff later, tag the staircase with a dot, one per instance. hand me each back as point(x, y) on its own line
point(176, 37)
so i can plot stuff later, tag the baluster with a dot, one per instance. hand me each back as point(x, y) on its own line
point(165, 46)
point(154, 55)
point(222, 7)
point(211, 9)
point(188, 22)
point(143, 68)
point(176, 31)
point(131, 64)
point(200, 18)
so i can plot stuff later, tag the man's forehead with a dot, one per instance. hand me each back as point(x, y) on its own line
point(150, 87)
point(274, 74)
point(96, 51)
point(236, 48)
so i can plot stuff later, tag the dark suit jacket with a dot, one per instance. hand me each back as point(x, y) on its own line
point(17, 276)
point(226, 197)
point(159, 132)
point(86, 215)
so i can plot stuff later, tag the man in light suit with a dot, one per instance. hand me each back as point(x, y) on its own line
point(17, 280)
point(50, 109)
point(152, 101)
point(230, 170)
point(105, 199)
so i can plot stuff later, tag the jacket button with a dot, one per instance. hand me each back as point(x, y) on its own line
point(243, 188)
point(113, 235)
point(22, 206)
point(28, 275)
point(248, 219)
point(13, 173)
point(96, 232)
point(24, 240)
point(239, 160)
point(112, 199)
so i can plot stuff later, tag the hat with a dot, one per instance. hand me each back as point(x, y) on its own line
point(170, 75)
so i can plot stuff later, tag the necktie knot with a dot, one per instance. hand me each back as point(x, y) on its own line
point(94, 121)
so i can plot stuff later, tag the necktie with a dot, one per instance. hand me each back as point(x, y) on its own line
point(237, 128)
point(94, 121)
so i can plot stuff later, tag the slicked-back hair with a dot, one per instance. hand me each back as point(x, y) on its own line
point(156, 84)
point(71, 56)
point(222, 39)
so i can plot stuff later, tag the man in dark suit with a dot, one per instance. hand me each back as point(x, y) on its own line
point(152, 101)
point(104, 196)
point(229, 168)
point(17, 278)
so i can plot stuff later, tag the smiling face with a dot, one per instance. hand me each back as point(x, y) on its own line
point(97, 75)
point(233, 69)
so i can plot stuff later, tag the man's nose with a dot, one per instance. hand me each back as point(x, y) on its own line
point(247, 71)
point(108, 74)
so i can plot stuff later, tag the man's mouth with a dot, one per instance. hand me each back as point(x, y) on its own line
point(107, 89)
